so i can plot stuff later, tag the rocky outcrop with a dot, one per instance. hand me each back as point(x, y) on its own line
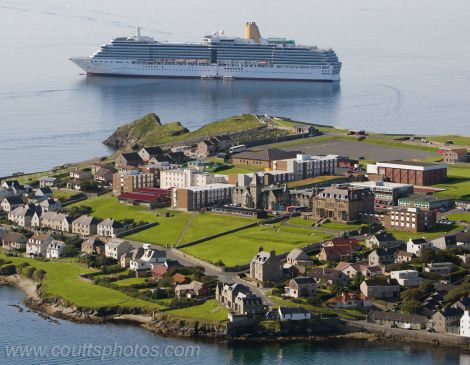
point(145, 131)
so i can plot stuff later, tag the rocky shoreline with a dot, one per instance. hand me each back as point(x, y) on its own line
point(161, 324)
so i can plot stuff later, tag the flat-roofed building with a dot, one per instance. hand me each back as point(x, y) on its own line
point(184, 178)
point(427, 202)
point(410, 172)
point(199, 197)
point(410, 219)
point(129, 181)
point(385, 193)
point(306, 166)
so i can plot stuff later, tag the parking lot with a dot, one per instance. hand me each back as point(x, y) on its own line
point(357, 149)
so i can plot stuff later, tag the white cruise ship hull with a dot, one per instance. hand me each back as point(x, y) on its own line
point(116, 67)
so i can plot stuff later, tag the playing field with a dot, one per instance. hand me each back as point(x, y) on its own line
point(240, 247)
point(458, 183)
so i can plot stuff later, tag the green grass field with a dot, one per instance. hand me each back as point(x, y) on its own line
point(207, 224)
point(458, 140)
point(458, 183)
point(62, 280)
point(209, 310)
point(464, 216)
point(130, 281)
point(240, 247)
point(441, 230)
point(342, 226)
point(64, 194)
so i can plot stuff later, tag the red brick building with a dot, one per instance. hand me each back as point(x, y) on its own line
point(409, 172)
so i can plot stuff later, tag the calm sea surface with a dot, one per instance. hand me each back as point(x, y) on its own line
point(26, 328)
point(406, 68)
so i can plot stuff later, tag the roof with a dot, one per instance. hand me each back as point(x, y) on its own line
point(298, 254)
point(337, 250)
point(404, 253)
point(40, 236)
point(303, 280)
point(268, 154)
point(86, 220)
point(384, 237)
point(159, 269)
point(14, 237)
point(178, 278)
point(419, 241)
point(193, 285)
point(463, 237)
point(116, 242)
point(132, 157)
point(143, 197)
point(110, 223)
point(344, 297)
point(14, 200)
point(380, 282)
point(92, 242)
point(451, 312)
point(292, 310)
point(400, 317)
point(153, 151)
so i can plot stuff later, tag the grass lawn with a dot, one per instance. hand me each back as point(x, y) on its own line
point(464, 216)
point(167, 231)
point(130, 281)
point(458, 140)
point(240, 169)
point(441, 230)
point(342, 226)
point(64, 194)
point(240, 247)
point(204, 225)
point(63, 280)
point(458, 183)
point(313, 180)
point(209, 310)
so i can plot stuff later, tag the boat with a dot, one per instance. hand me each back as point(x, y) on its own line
point(219, 55)
point(207, 77)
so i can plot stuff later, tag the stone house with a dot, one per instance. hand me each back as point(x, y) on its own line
point(85, 225)
point(380, 289)
point(382, 240)
point(14, 241)
point(146, 153)
point(298, 257)
point(238, 298)
point(194, 289)
point(335, 253)
point(116, 247)
point(326, 276)
point(56, 221)
point(38, 243)
point(447, 320)
point(109, 228)
point(104, 175)
point(128, 160)
point(445, 243)
point(398, 320)
point(93, 246)
point(266, 267)
point(301, 286)
point(403, 257)
point(381, 256)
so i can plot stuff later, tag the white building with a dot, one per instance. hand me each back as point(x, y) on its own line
point(38, 243)
point(55, 249)
point(184, 178)
point(307, 166)
point(417, 245)
point(293, 314)
point(149, 258)
point(406, 278)
point(465, 324)
point(116, 247)
point(441, 268)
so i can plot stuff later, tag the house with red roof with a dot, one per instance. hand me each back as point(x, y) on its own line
point(349, 300)
point(335, 253)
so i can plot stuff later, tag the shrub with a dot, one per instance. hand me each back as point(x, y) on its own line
point(39, 275)
point(8, 269)
point(29, 271)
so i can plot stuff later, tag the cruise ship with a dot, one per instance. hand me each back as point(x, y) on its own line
point(217, 57)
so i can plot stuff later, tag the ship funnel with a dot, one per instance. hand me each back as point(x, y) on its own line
point(252, 32)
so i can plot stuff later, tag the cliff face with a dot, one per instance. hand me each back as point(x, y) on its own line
point(144, 131)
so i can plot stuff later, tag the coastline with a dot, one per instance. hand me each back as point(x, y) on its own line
point(193, 329)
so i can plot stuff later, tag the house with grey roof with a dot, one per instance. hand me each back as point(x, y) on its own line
point(301, 286)
point(10, 203)
point(239, 299)
point(22, 215)
point(266, 267)
point(447, 320)
point(110, 228)
point(380, 289)
point(298, 257)
point(382, 240)
point(293, 314)
point(14, 241)
point(150, 257)
point(93, 246)
point(117, 247)
point(445, 243)
point(85, 225)
point(38, 243)
point(400, 320)
point(48, 181)
point(55, 249)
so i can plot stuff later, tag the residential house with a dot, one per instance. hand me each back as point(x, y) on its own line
point(93, 246)
point(399, 320)
point(149, 258)
point(56, 221)
point(447, 320)
point(116, 247)
point(454, 155)
point(109, 228)
point(441, 268)
point(406, 278)
point(127, 160)
point(85, 225)
point(293, 314)
point(146, 153)
point(38, 243)
point(349, 300)
point(238, 298)
point(15, 188)
point(50, 205)
point(382, 240)
point(22, 215)
point(326, 276)
point(335, 253)
point(43, 193)
point(298, 257)
point(48, 181)
point(380, 289)
point(445, 243)
point(370, 271)
point(14, 241)
point(463, 239)
point(194, 289)
point(103, 175)
point(465, 324)
point(10, 203)
point(55, 249)
point(417, 245)
point(403, 257)
point(159, 271)
point(381, 256)
point(178, 278)
point(78, 174)
point(265, 267)
point(351, 270)
point(132, 255)
point(301, 286)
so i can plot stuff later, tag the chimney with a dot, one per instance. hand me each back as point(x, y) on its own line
point(272, 253)
point(260, 249)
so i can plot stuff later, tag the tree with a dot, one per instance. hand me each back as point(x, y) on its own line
point(410, 306)
point(409, 294)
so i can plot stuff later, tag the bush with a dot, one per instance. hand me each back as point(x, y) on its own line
point(410, 306)
point(8, 269)
point(29, 271)
point(39, 275)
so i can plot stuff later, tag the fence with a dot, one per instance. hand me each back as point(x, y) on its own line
point(137, 229)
